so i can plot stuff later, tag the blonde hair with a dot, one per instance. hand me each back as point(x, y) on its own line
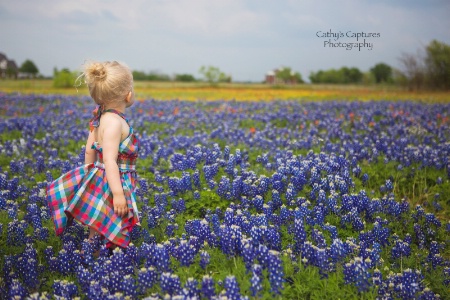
point(108, 81)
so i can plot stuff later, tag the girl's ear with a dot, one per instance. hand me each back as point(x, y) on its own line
point(129, 95)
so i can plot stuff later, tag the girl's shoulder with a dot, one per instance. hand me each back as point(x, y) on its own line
point(112, 124)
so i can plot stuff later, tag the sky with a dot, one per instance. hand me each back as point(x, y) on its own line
point(243, 38)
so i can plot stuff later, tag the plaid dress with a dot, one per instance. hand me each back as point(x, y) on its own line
point(83, 193)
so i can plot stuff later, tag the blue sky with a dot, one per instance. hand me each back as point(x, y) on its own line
point(244, 38)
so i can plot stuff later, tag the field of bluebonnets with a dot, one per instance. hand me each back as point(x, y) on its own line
point(238, 200)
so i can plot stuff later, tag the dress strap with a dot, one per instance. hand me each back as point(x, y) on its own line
point(95, 121)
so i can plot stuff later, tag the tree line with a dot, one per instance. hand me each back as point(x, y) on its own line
point(429, 68)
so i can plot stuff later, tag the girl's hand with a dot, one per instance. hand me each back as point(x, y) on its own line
point(120, 205)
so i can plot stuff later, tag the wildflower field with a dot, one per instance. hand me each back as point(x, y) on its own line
point(282, 199)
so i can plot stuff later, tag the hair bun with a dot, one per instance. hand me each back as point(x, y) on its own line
point(98, 72)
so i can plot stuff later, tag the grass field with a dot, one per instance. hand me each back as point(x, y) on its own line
point(239, 91)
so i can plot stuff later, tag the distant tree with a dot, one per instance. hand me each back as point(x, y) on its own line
point(214, 75)
point(286, 75)
point(184, 77)
point(399, 78)
point(29, 67)
point(64, 78)
point(139, 75)
point(413, 70)
point(437, 63)
point(155, 76)
point(368, 78)
point(152, 76)
point(342, 76)
point(382, 73)
point(351, 75)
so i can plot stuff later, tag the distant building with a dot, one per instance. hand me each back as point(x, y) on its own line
point(8, 68)
point(271, 77)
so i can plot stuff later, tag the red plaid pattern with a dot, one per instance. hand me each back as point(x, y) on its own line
point(84, 194)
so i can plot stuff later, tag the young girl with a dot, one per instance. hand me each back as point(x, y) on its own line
point(100, 194)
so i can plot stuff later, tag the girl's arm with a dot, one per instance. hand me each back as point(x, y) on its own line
point(110, 147)
point(89, 155)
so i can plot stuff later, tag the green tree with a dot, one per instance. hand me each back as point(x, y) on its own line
point(382, 72)
point(64, 78)
point(343, 75)
point(213, 74)
point(152, 76)
point(351, 75)
point(29, 67)
point(184, 77)
point(288, 76)
point(139, 75)
point(437, 62)
point(155, 76)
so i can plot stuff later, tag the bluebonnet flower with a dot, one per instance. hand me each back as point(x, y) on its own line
point(321, 261)
point(318, 238)
point(432, 219)
point(248, 253)
point(377, 277)
point(357, 272)
point(256, 280)
point(163, 262)
point(401, 249)
point(365, 178)
point(223, 187)
point(211, 184)
point(275, 270)
point(65, 266)
point(299, 234)
point(208, 290)
point(16, 233)
point(229, 217)
point(185, 253)
point(389, 185)
point(129, 286)
point(147, 277)
point(232, 290)
point(338, 251)
point(204, 259)
point(273, 238)
point(427, 294)
point(276, 199)
point(408, 284)
point(84, 277)
point(170, 229)
point(17, 290)
point(95, 291)
point(170, 283)
point(196, 178)
point(290, 195)
point(191, 287)
point(284, 214)
point(236, 187)
point(258, 203)
point(64, 289)
point(31, 278)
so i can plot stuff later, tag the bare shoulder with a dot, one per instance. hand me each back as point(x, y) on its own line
point(110, 119)
point(113, 124)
